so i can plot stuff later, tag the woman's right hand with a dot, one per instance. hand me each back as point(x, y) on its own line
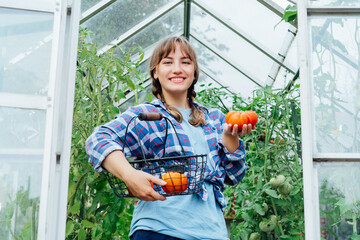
point(139, 183)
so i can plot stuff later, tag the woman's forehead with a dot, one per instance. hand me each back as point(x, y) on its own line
point(177, 47)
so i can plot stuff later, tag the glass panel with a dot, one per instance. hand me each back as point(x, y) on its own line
point(205, 83)
point(143, 96)
point(86, 4)
point(339, 200)
point(291, 59)
point(283, 78)
point(233, 46)
point(21, 154)
point(25, 51)
point(205, 80)
point(119, 17)
point(223, 72)
point(168, 24)
point(336, 84)
point(334, 3)
point(254, 19)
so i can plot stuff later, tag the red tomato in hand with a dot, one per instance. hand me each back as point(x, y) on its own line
point(253, 118)
point(240, 118)
point(228, 115)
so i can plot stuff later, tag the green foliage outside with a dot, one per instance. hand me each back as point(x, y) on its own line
point(19, 219)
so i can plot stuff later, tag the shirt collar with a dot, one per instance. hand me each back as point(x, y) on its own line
point(159, 103)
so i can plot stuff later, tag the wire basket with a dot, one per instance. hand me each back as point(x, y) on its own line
point(184, 174)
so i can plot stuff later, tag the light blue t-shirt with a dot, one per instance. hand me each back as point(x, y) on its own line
point(186, 216)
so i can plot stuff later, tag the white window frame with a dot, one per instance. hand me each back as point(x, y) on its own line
point(309, 156)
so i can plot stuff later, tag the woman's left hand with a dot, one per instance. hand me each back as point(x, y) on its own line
point(230, 135)
point(234, 130)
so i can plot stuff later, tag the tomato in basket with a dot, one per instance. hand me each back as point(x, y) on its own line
point(176, 182)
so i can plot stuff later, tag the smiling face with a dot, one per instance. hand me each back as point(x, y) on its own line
point(175, 73)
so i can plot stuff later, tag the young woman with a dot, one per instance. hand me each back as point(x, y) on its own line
point(174, 72)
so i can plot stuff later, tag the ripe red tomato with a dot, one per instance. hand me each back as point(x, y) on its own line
point(240, 118)
point(228, 115)
point(253, 118)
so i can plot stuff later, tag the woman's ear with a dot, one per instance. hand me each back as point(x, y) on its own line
point(154, 73)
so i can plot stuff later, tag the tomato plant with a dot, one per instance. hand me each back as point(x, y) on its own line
point(94, 211)
point(269, 200)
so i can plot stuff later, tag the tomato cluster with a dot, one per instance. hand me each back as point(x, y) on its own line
point(241, 117)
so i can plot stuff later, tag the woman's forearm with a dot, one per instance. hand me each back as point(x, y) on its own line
point(231, 142)
point(118, 165)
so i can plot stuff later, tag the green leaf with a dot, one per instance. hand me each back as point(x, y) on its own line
point(354, 236)
point(69, 227)
point(271, 193)
point(259, 209)
point(87, 224)
point(344, 206)
point(82, 234)
point(290, 14)
point(115, 110)
point(75, 208)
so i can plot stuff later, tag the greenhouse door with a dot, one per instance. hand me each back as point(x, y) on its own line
point(38, 45)
point(329, 51)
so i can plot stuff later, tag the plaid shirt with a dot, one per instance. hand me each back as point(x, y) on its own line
point(229, 167)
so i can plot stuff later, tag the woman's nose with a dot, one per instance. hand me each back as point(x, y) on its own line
point(177, 67)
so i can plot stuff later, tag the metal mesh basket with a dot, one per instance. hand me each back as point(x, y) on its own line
point(184, 174)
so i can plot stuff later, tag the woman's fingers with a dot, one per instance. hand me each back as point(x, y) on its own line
point(234, 129)
point(141, 186)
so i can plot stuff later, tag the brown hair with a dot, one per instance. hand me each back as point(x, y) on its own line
point(162, 50)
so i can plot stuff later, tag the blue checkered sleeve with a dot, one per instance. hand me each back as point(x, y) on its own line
point(111, 136)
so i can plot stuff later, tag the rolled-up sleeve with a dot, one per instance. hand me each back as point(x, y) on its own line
point(233, 163)
point(109, 137)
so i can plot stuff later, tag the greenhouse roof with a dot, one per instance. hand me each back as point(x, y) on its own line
point(241, 44)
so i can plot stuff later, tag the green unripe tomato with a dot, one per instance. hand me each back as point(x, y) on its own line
point(275, 182)
point(265, 207)
point(285, 189)
point(255, 236)
point(266, 226)
point(273, 219)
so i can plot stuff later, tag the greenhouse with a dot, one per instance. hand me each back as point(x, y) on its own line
point(70, 66)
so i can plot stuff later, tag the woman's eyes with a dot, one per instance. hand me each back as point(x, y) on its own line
point(169, 62)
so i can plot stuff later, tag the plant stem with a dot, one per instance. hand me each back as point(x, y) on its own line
point(291, 133)
point(354, 223)
point(277, 216)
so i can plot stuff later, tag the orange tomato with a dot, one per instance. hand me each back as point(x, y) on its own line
point(239, 118)
point(228, 115)
point(253, 118)
point(176, 182)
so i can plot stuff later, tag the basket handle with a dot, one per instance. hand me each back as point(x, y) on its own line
point(150, 116)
